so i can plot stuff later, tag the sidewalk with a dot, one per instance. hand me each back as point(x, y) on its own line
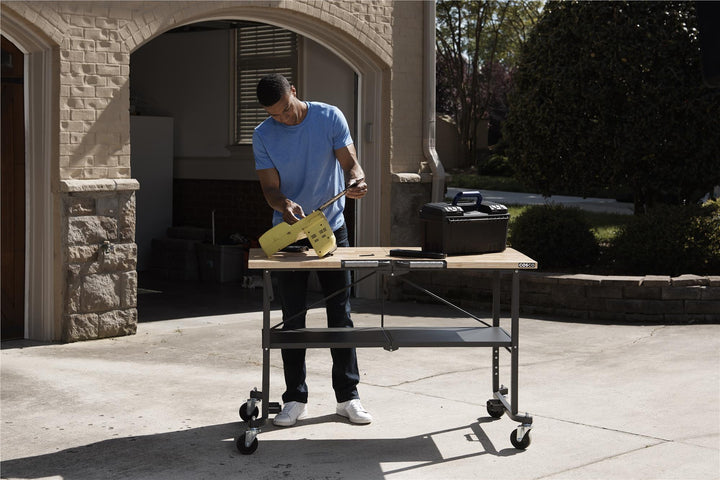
point(514, 198)
point(608, 401)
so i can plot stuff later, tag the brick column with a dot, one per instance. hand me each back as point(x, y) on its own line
point(100, 259)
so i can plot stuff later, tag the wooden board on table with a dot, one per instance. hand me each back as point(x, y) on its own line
point(509, 259)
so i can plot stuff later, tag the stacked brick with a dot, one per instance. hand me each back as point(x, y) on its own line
point(652, 298)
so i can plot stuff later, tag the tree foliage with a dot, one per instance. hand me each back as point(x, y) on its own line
point(476, 43)
point(611, 94)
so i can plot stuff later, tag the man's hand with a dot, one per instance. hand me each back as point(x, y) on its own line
point(292, 212)
point(359, 190)
point(270, 183)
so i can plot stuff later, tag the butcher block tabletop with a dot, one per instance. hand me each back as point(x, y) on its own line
point(357, 257)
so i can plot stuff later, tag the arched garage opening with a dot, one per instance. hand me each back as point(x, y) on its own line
point(197, 179)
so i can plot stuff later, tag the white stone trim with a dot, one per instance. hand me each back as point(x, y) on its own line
point(412, 177)
point(99, 185)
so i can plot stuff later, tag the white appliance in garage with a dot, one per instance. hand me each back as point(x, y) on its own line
point(151, 163)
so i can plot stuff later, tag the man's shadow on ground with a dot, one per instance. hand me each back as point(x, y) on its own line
point(210, 452)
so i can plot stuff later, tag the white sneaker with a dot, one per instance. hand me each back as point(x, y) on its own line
point(291, 413)
point(353, 410)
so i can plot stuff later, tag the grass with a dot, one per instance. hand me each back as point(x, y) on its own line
point(603, 225)
point(485, 182)
point(606, 225)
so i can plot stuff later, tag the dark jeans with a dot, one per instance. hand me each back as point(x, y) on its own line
point(292, 289)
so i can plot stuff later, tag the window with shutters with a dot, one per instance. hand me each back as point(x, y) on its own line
point(260, 49)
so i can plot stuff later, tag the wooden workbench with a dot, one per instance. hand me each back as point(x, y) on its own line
point(507, 260)
point(368, 261)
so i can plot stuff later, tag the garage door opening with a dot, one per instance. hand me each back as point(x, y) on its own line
point(200, 206)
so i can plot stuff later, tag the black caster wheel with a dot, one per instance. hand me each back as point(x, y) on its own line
point(247, 416)
point(522, 444)
point(246, 450)
point(495, 408)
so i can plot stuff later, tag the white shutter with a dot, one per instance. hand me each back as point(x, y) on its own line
point(261, 49)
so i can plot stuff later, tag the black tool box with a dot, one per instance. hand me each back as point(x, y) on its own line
point(462, 228)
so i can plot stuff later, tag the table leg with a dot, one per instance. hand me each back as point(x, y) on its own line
point(515, 316)
point(267, 293)
point(496, 323)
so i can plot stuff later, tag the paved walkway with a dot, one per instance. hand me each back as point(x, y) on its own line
point(608, 401)
point(589, 203)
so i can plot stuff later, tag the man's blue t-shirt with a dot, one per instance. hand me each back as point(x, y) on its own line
point(304, 156)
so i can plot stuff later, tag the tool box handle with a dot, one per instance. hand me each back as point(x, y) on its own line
point(471, 193)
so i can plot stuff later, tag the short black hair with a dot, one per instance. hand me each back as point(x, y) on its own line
point(271, 88)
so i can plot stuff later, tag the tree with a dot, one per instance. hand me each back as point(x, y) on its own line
point(611, 94)
point(476, 43)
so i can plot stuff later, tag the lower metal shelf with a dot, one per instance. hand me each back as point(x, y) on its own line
point(390, 337)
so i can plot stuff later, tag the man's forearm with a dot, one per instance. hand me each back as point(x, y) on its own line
point(276, 199)
point(355, 173)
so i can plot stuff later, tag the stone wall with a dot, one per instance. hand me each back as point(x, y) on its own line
point(100, 258)
point(652, 298)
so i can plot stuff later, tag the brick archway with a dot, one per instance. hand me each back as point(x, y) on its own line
point(341, 31)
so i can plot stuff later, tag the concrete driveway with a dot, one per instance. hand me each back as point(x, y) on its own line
point(608, 401)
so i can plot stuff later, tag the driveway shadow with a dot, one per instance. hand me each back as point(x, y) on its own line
point(160, 299)
point(210, 452)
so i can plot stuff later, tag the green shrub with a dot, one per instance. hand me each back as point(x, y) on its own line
point(498, 165)
point(555, 236)
point(670, 241)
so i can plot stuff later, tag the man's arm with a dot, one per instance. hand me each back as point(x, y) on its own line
point(270, 184)
point(353, 171)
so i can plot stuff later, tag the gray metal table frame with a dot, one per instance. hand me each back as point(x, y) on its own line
point(392, 338)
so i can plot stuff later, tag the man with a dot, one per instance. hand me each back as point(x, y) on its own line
point(304, 155)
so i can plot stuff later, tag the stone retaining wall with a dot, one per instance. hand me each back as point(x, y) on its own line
point(651, 298)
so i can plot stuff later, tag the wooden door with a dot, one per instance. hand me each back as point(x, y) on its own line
point(12, 235)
